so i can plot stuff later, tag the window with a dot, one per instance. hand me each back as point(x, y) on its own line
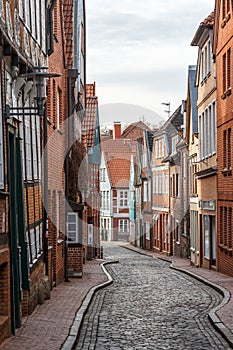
point(148, 231)
point(28, 150)
point(27, 12)
point(159, 148)
point(103, 175)
point(209, 205)
point(227, 153)
point(2, 14)
point(9, 19)
point(123, 225)
point(35, 242)
point(161, 183)
point(58, 107)
point(104, 200)
point(58, 215)
point(123, 199)
point(90, 234)
point(1, 146)
point(33, 18)
point(144, 160)
point(38, 143)
point(145, 191)
point(207, 236)
point(34, 147)
point(175, 185)
point(107, 200)
point(226, 227)
point(225, 10)
point(72, 228)
point(206, 60)
point(166, 184)
point(38, 23)
point(193, 230)
point(207, 131)
point(226, 73)
point(193, 179)
point(175, 140)
point(214, 127)
point(228, 68)
point(43, 34)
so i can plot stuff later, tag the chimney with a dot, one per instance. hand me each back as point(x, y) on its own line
point(116, 130)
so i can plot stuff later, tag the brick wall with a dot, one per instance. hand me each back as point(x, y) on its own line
point(75, 261)
point(57, 113)
point(4, 328)
point(224, 122)
point(38, 290)
point(4, 294)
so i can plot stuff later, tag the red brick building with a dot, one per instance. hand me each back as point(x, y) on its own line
point(206, 174)
point(75, 46)
point(57, 113)
point(34, 200)
point(223, 50)
point(92, 148)
point(23, 282)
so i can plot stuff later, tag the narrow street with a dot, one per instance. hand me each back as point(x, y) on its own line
point(149, 306)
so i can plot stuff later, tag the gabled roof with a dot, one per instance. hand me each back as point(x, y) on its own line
point(204, 26)
point(90, 124)
point(149, 140)
point(191, 122)
point(119, 148)
point(173, 124)
point(193, 98)
point(89, 121)
point(90, 90)
point(131, 127)
point(119, 172)
point(68, 27)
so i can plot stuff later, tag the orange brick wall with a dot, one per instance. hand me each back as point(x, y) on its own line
point(224, 121)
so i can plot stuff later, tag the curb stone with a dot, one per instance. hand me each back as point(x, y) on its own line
point(77, 323)
point(212, 315)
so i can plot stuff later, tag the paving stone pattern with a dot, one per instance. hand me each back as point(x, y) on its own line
point(149, 306)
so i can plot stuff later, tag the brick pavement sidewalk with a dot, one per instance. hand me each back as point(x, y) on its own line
point(222, 316)
point(49, 325)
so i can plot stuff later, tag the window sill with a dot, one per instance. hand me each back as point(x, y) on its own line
point(223, 23)
point(227, 171)
point(3, 320)
point(226, 93)
point(225, 249)
point(228, 16)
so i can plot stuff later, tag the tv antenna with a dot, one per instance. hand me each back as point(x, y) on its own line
point(168, 110)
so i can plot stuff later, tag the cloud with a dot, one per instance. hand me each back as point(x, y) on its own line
point(141, 49)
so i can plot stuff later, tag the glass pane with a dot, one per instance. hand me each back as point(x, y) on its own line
point(72, 218)
point(72, 227)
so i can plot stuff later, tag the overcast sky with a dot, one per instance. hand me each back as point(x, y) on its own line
point(138, 53)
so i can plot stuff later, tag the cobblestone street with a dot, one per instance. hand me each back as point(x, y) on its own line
point(149, 306)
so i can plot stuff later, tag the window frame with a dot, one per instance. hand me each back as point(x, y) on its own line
point(75, 232)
